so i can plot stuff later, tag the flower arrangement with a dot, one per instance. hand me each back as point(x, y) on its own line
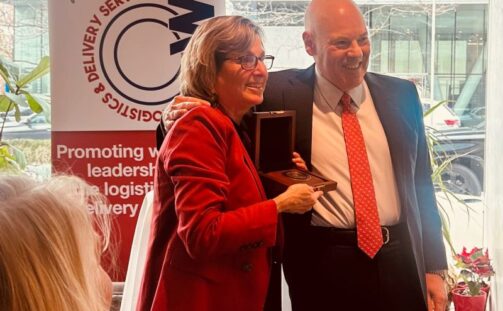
point(476, 269)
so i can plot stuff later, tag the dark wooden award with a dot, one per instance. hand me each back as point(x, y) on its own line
point(272, 139)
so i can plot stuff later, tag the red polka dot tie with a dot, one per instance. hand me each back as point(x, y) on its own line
point(368, 229)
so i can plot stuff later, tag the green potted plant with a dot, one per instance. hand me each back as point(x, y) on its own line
point(440, 163)
point(17, 95)
point(475, 270)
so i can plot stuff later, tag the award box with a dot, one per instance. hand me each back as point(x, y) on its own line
point(272, 142)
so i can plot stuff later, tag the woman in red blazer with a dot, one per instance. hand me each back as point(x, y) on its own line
point(212, 227)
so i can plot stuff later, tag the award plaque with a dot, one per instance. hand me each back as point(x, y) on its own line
point(272, 140)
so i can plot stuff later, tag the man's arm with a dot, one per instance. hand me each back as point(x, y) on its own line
point(174, 111)
point(433, 245)
point(431, 224)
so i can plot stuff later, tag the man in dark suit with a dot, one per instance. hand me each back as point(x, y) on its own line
point(323, 264)
point(322, 268)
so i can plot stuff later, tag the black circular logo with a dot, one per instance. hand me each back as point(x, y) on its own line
point(134, 54)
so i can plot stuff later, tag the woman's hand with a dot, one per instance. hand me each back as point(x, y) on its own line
point(299, 162)
point(297, 199)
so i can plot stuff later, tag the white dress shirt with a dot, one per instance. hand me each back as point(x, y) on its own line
point(329, 157)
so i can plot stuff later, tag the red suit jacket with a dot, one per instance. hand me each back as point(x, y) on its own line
point(212, 228)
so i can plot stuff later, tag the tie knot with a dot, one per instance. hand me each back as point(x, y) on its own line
point(346, 102)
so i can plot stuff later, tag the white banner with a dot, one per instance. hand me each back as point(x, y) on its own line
point(115, 63)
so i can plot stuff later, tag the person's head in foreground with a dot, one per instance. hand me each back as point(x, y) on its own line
point(50, 246)
point(225, 64)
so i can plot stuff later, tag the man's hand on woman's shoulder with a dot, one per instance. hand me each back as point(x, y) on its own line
point(178, 107)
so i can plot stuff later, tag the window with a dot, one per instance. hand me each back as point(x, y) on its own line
point(401, 36)
point(24, 40)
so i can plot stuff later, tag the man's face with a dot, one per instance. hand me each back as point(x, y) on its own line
point(339, 43)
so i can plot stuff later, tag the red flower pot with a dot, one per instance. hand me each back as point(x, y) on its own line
point(464, 302)
point(485, 287)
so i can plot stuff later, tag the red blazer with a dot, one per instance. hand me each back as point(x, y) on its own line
point(212, 226)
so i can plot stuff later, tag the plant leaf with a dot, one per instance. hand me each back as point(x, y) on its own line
point(33, 103)
point(5, 104)
point(46, 105)
point(42, 69)
point(41, 102)
point(7, 162)
point(16, 101)
point(19, 100)
point(5, 74)
point(445, 231)
point(18, 156)
point(440, 103)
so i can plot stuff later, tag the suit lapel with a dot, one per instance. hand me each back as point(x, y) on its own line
point(388, 107)
point(301, 90)
point(298, 95)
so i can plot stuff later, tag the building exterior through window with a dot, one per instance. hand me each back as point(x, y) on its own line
point(440, 45)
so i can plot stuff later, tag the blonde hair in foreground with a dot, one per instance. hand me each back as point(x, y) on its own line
point(50, 245)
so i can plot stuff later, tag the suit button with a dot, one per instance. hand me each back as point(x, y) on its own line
point(247, 267)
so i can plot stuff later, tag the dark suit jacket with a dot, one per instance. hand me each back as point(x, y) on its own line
point(212, 227)
point(399, 109)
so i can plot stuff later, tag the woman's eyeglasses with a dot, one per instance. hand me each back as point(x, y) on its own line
point(249, 62)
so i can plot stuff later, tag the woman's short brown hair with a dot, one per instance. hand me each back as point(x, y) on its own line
point(205, 52)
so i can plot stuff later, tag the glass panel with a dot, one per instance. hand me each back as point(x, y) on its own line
point(384, 57)
point(444, 54)
point(401, 37)
point(23, 42)
point(460, 61)
point(416, 57)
